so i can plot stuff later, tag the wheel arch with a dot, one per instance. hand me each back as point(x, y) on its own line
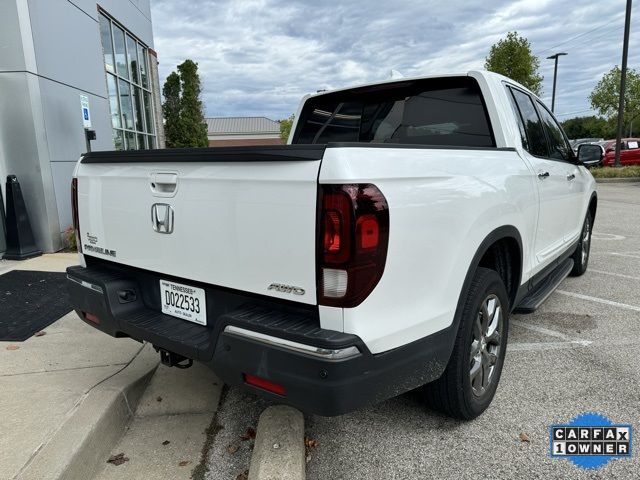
point(593, 206)
point(506, 233)
point(505, 236)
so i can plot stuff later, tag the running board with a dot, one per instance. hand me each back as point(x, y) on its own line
point(542, 290)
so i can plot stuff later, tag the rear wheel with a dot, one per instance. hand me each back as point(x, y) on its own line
point(581, 255)
point(469, 382)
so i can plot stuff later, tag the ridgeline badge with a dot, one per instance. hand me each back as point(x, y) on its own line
point(590, 440)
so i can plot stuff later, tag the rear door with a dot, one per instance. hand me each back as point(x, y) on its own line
point(242, 218)
point(552, 180)
point(576, 178)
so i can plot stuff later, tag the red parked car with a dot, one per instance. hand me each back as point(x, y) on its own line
point(629, 152)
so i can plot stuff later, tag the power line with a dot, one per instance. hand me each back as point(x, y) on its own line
point(603, 34)
point(573, 113)
point(578, 36)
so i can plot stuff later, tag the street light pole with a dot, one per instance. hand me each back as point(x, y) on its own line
point(555, 77)
point(623, 79)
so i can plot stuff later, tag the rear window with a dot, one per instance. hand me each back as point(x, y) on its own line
point(443, 111)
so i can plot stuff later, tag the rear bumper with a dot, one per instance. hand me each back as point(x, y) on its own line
point(322, 371)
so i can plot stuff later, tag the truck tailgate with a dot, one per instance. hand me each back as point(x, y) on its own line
point(242, 218)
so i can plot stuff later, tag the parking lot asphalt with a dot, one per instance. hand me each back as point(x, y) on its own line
point(578, 353)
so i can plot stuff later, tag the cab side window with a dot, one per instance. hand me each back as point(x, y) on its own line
point(536, 138)
point(559, 148)
point(518, 117)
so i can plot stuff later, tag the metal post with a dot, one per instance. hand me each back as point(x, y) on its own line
point(623, 79)
point(3, 225)
point(86, 139)
point(555, 77)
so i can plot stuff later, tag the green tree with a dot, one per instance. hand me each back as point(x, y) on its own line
point(285, 127)
point(605, 97)
point(512, 57)
point(182, 108)
point(589, 127)
point(171, 108)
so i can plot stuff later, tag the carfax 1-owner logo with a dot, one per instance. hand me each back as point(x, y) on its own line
point(590, 440)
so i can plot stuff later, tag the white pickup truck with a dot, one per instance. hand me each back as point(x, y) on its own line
point(382, 250)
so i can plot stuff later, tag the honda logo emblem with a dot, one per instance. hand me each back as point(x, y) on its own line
point(162, 218)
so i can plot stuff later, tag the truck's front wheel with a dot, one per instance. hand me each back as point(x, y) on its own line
point(469, 382)
point(581, 255)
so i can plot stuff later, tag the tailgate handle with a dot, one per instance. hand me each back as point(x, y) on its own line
point(164, 184)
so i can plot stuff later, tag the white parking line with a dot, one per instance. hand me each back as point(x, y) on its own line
point(630, 277)
point(599, 300)
point(628, 255)
point(532, 346)
point(551, 333)
point(606, 236)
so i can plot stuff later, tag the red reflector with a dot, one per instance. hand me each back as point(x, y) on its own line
point(368, 231)
point(91, 317)
point(264, 384)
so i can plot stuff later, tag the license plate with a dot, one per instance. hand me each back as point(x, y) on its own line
point(183, 301)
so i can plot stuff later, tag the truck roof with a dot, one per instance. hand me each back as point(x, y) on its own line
point(471, 73)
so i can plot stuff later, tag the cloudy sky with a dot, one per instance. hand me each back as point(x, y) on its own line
point(258, 57)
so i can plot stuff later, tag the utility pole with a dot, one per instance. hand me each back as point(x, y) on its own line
point(555, 77)
point(623, 79)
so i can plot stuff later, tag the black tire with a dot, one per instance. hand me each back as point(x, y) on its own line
point(581, 255)
point(453, 393)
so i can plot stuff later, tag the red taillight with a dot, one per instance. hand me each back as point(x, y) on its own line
point(91, 317)
point(74, 212)
point(336, 233)
point(263, 384)
point(367, 232)
point(332, 233)
point(352, 243)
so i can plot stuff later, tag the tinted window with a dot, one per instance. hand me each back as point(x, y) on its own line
point(107, 47)
point(128, 86)
point(425, 112)
point(121, 59)
point(536, 140)
point(558, 145)
point(519, 121)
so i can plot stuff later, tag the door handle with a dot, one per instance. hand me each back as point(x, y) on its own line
point(571, 176)
point(543, 175)
point(163, 184)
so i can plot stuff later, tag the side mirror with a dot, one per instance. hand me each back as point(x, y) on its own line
point(590, 155)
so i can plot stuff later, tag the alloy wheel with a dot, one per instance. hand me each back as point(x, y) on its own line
point(486, 344)
point(586, 240)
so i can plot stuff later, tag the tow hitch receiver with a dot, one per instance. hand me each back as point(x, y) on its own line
point(171, 359)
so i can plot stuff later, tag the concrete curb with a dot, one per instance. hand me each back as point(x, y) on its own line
point(278, 453)
point(87, 436)
point(618, 180)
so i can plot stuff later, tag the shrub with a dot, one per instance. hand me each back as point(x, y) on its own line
point(69, 237)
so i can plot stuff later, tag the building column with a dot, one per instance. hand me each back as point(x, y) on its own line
point(157, 99)
point(24, 149)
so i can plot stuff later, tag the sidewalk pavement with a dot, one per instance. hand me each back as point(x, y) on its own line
point(45, 379)
point(169, 432)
